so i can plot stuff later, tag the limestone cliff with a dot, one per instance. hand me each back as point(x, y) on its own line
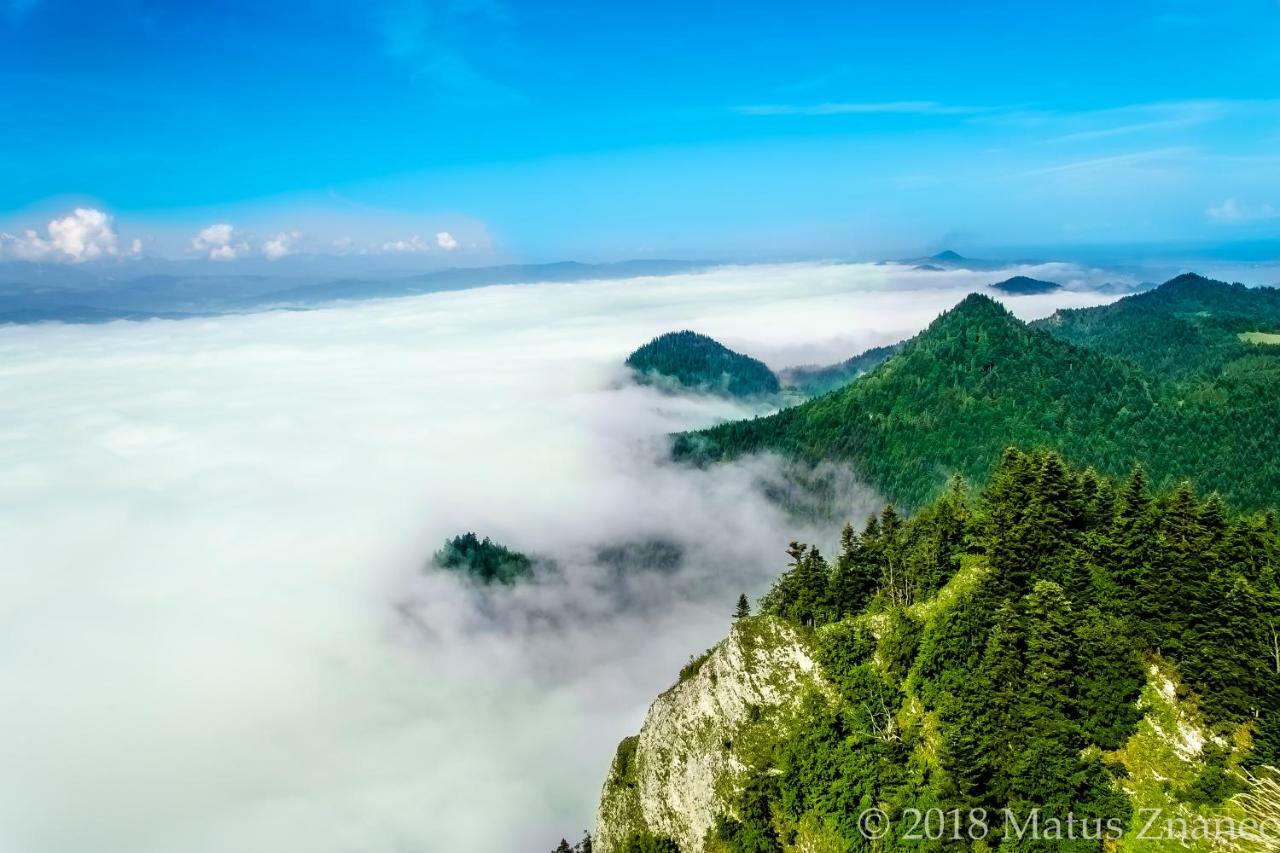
point(680, 772)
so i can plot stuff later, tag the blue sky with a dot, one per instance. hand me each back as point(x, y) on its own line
point(600, 130)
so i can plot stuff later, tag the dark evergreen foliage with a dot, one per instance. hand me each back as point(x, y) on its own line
point(645, 842)
point(697, 362)
point(1021, 285)
point(483, 560)
point(586, 845)
point(1029, 663)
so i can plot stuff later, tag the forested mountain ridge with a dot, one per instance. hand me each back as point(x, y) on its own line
point(815, 381)
point(1190, 325)
point(696, 362)
point(1060, 642)
point(977, 380)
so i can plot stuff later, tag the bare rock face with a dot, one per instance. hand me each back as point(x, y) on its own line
point(683, 769)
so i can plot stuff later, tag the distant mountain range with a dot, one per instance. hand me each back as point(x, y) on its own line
point(31, 293)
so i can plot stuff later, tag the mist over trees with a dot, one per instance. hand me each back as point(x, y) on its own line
point(1161, 378)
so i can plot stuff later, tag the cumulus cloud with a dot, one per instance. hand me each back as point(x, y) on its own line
point(1231, 210)
point(85, 234)
point(280, 245)
point(413, 244)
point(220, 241)
point(416, 244)
point(218, 636)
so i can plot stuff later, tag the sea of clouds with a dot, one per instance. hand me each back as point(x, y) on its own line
point(216, 633)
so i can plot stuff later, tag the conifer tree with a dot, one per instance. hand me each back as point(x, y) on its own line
point(1109, 681)
point(1132, 537)
point(1044, 772)
point(853, 578)
point(743, 610)
point(981, 724)
point(1003, 515)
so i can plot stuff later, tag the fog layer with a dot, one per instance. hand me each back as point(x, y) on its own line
point(215, 633)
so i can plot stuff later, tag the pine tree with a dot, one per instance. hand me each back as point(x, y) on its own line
point(981, 726)
point(1110, 680)
point(853, 578)
point(1044, 773)
point(895, 582)
point(1049, 533)
point(1132, 538)
point(1176, 588)
point(743, 609)
point(1002, 520)
point(801, 593)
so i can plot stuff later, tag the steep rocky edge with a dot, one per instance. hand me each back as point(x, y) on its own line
point(680, 772)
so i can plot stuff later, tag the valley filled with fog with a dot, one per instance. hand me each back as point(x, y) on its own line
point(218, 630)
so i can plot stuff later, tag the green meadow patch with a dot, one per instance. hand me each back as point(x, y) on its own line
point(1266, 338)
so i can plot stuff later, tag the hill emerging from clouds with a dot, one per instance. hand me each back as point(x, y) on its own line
point(695, 362)
point(978, 380)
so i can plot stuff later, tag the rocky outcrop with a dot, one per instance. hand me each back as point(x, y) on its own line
point(683, 769)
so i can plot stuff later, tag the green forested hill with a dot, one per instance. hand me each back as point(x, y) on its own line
point(690, 360)
point(990, 654)
point(1021, 285)
point(1189, 326)
point(978, 380)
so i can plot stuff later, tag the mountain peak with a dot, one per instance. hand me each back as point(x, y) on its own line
point(976, 313)
point(947, 255)
point(693, 361)
point(1190, 281)
point(977, 305)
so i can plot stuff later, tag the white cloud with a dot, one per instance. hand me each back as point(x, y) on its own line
point(206, 648)
point(416, 244)
point(280, 245)
point(212, 237)
point(85, 234)
point(220, 241)
point(413, 244)
point(1231, 210)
